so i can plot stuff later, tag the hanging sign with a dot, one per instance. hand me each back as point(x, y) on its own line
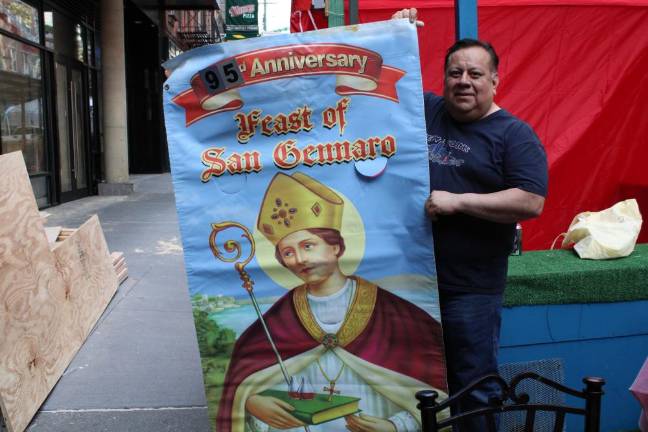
point(241, 19)
point(300, 170)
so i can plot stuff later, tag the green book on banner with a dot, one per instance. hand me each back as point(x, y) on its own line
point(318, 409)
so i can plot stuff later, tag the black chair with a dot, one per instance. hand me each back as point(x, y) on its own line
point(551, 368)
point(509, 401)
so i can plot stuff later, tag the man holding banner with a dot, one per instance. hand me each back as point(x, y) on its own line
point(312, 275)
point(488, 170)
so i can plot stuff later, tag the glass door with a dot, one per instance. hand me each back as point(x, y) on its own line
point(72, 113)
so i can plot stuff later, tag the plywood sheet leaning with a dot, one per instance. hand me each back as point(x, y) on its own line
point(49, 299)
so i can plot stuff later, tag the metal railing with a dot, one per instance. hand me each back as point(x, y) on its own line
point(193, 28)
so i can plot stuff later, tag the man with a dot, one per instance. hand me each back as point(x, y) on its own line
point(488, 170)
point(336, 333)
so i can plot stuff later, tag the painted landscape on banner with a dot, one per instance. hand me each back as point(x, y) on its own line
point(300, 170)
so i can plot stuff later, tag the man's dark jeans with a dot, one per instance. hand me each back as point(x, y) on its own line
point(471, 327)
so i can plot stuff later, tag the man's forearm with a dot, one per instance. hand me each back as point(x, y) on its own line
point(507, 206)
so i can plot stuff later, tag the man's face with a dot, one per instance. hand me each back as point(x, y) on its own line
point(308, 256)
point(470, 84)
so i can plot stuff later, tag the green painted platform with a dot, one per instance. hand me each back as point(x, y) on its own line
point(560, 277)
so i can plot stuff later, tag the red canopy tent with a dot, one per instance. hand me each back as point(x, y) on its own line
point(576, 70)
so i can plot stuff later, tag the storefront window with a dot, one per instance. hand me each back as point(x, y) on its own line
point(48, 18)
point(21, 103)
point(63, 34)
point(19, 18)
point(78, 42)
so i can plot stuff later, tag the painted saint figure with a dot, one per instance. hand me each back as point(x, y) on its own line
point(337, 333)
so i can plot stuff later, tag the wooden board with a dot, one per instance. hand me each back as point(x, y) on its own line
point(119, 264)
point(49, 299)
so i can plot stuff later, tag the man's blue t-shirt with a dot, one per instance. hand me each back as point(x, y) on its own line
point(495, 153)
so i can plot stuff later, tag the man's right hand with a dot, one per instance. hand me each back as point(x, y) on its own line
point(441, 203)
point(272, 411)
point(411, 14)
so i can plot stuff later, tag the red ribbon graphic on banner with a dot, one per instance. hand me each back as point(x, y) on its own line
point(358, 71)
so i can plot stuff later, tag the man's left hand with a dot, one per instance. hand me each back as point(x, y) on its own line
point(365, 423)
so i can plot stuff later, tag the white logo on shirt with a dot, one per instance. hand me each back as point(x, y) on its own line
point(441, 151)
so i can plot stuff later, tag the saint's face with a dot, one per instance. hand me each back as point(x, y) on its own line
point(470, 84)
point(308, 256)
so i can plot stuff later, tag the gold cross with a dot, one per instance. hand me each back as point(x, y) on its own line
point(331, 390)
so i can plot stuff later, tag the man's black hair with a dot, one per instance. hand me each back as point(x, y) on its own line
point(468, 43)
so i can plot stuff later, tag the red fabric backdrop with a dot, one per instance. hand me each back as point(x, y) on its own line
point(304, 18)
point(577, 71)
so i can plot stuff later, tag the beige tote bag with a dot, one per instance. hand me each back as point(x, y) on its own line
point(610, 233)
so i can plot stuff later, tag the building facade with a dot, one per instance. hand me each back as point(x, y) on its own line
point(60, 91)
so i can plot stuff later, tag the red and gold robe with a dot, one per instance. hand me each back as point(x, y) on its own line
point(397, 345)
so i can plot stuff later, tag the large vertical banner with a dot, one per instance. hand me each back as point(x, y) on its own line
point(241, 19)
point(300, 170)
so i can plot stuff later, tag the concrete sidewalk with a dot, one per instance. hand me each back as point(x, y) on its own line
point(139, 370)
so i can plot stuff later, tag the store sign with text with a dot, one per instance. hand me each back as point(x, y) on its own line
point(241, 19)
